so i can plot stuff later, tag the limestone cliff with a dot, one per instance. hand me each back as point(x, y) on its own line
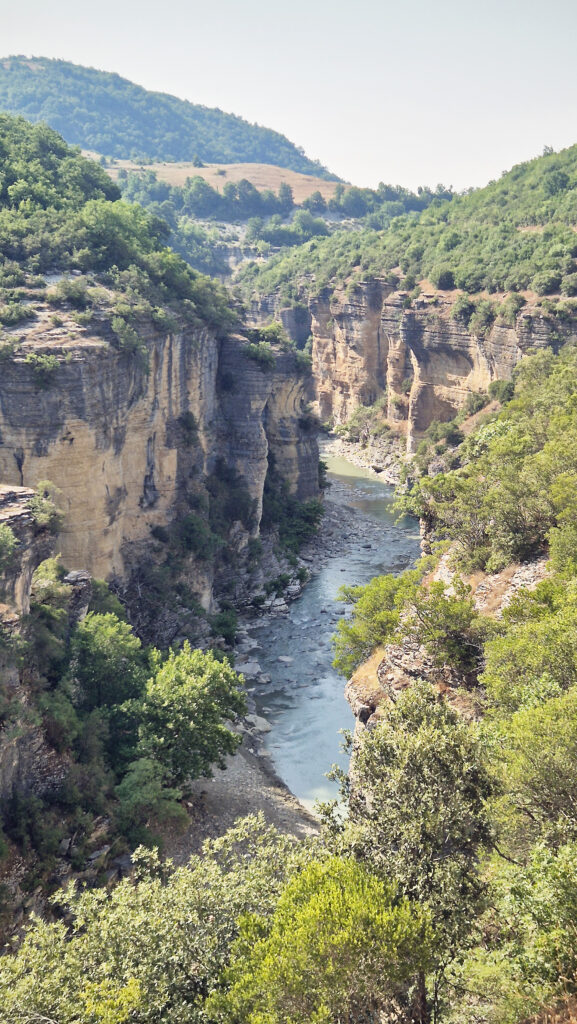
point(127, 438)
point(394, 667)
point(368, 338)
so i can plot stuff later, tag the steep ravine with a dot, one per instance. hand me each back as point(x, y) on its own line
point(368, 338)
point(299, 692)
point(129, 442)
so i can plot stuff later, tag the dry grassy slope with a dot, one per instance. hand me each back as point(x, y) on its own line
point(262, 176)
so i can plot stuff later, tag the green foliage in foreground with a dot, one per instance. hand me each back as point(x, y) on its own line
point(136, 725)
point(418, 813)
point(104, 112)
point(150, 951)
point(341, 946)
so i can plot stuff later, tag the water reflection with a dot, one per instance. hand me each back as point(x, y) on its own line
point(304, 701)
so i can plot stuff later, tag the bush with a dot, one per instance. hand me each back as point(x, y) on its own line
point(501, 390)
point(194, 535)
point(262, 353)
point(569, 285)
point(8, 544)
point(44, 508)
point(463, 309)
point(44, 367)
point(442, 277)
point(546, 283)
point(225, 624)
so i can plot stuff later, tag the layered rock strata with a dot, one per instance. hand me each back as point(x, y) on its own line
point(126, 439)
point(369, 338)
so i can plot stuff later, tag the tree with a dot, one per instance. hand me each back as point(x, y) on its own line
point(182, 714)
point(8, 544)
point(107, 662)
point(447, 625)
point(417, 814)
point(285, 197)
point(341, 947)
point(539, 755)
point(155, 944)
point(376, 613)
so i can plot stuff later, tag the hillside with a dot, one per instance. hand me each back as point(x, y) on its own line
point(262, 175)
point(104, 112)
point(515, 234)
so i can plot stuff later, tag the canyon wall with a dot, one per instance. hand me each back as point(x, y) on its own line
point(126, 437)
point(368, 338)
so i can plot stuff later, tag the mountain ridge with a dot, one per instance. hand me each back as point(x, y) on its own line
point(103, 111)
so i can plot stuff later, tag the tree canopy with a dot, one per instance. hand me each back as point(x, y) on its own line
point(106, 113)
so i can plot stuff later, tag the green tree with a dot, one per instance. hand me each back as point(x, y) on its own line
point(446, 623)
point(156, 944)
point(539, 753)
point(107, 662)
point(418, 814)
point(341, 947)
point(8, 544)
point(377, 608)
point(182, 714)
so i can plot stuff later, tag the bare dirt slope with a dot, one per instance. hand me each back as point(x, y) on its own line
point(262, 176)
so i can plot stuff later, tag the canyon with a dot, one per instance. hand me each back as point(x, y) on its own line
point(368, 339)
point(128, 441)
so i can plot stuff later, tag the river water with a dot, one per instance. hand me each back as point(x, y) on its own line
point(304, 702)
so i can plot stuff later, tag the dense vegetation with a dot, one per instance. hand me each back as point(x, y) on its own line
point(274, 221)
point(106, 113)
point(507, 498)
point(133, 724)
point(59, 211)
point(515, 234)
point(448, 891)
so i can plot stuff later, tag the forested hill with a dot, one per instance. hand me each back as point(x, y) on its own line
point(516, 234)
point(104, 112)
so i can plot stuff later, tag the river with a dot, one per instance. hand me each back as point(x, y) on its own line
point(304, 701)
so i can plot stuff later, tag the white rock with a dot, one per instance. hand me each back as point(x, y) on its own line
point(258, 723)
point(285, 660)
point(248, 668)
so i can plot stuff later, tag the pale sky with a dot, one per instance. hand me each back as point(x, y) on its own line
point(406, 93)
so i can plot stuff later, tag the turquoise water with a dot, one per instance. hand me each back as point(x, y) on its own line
point(304, 701)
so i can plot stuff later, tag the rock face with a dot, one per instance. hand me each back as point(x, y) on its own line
point(126, 443)
point(369, 338)
point(33, 545)
point(393, 668)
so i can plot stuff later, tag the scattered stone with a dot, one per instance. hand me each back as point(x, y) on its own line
point(285, 660)
point(258, 723)
point(250, 669)
point(98, 855)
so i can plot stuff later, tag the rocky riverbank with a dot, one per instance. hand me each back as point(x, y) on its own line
point(284, 654)
point(380, 457)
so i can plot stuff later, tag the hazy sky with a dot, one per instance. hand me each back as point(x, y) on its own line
point(407, 92)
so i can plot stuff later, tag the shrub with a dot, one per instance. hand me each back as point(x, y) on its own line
point(15, 313)
point(8, 545)
point(442, 277)
point(225, 624)
point(44, 366)
point(501, 390)
point(546, 283)
point(262, 353)
point(44, 508)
